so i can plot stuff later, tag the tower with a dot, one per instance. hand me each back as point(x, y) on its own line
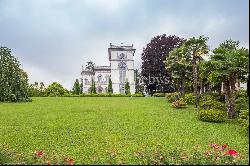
point(122, 67)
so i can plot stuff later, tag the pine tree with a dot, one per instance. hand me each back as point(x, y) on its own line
point(76, 88)
point(110, 89)
point(127, 88)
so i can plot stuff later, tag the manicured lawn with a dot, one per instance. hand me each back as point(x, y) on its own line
point(85, 128)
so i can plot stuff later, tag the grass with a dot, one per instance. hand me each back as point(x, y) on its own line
point(86, 128)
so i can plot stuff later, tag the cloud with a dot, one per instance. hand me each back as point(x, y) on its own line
point(53, 39)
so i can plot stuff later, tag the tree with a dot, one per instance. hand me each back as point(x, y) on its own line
point(36, 89)
point(127, 88)
point(138, 82)
point(13, 79)
point(179, 63)
point(155, 76)
point(110, 89)
point(227, 64)
point(81, 86)
point(92, 88)
point(76, 88)
point(55, 89)
point(195, 47)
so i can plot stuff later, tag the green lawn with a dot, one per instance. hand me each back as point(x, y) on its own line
point(84, 128)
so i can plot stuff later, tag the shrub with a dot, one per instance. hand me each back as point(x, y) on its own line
point(159, 94)
point(179, 103)
point(211, 101)
point(171, 97)
point(242, 103)
point(241, 93)
point(244, 118)
point(189, 98)
point(212, 115)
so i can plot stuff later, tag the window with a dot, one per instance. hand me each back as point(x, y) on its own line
point(99, 78)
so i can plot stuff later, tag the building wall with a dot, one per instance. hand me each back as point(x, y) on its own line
point(115, 70)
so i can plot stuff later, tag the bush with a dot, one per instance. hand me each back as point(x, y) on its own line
point(179, 103)
point(211, 101)
point(102, 95)
point(242, 103)
point(212, 115)
point(244, 118)
point(159, 94)
point(189, 98)
point(171, 97)
point(241, 93)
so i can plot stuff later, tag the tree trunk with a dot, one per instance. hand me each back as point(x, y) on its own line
point(195, 79)
point(182, 87)
point(227, 97)
point(232, 84)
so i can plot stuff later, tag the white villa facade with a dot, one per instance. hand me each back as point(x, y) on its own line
point(120, 70)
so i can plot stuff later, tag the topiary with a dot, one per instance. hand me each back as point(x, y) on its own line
point(189, 98)
point(212, 115)
point(171, 97)
point(180, 103)
point(244, 118)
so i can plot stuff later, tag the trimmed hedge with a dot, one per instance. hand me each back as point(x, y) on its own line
point(103, 95)
point(212, 115)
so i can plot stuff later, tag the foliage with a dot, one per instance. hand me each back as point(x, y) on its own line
point(242, 103)
point(189, 98)
point(51, 125)
point(93, 87)
point(37, 89)
point(81, 86)
point(127, 88)
point(171, 97)
point(76, 88)
point(211, 115)
point(139, 88)
point(110, 89)
point(155, 75)
point(179, 63)
point(244, 118)
point(195, 47)
point(55, 89)
point(180, 103)
point(103, 95)
point(210, 101)
point(227, 64)
point(13, 80)
point(159, 94)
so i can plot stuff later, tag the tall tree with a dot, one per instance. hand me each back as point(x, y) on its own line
point(139, 88)
point(110, 89)
point(155, 75)
point(13, 80)
point(81, 86)
point(228, 64)
point(127, 88)
point(196, 47)
point(55, 89)
point(93, 87)
point(179, 63)
point(76, 88)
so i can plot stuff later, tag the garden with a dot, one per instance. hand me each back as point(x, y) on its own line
point(119, 130)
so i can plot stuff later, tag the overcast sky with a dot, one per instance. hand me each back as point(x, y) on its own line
point(54, 38)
